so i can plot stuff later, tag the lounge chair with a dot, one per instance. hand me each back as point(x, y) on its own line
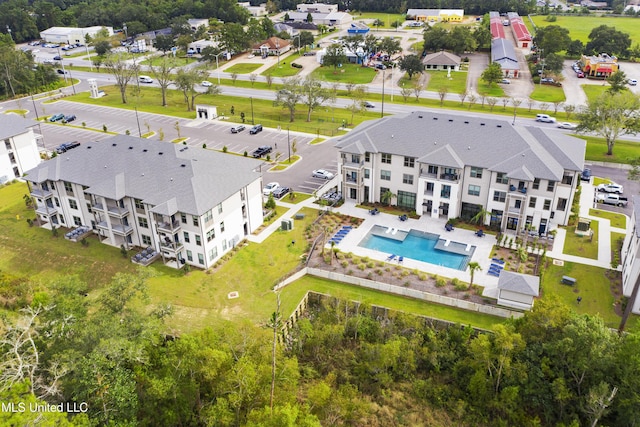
point(448, 227)
point(493, 273)
point(400, 259)
point(480, 233)
point(402, 217)
point(497, 260)
point(391, 257)
point(498, 266)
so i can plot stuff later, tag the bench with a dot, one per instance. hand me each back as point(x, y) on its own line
point(566, 280)
point(299, 216)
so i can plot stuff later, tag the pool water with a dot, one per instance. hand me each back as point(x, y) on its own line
point(419, 246)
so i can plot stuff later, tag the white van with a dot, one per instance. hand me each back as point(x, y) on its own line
point(145, 79)
point(633, 82)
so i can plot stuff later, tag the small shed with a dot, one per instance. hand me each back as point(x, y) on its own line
point(517, 290)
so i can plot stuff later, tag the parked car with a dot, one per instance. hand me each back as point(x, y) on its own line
point(380, 67)
point(580, 75)
point(321, 173)
point(612, 199)
point(567, 125)
point(545, 118)
point(59, 71)
point(261, 151)
point(368, 104)
point(56, 117)
point(69, 118)
point(633, 82)
point(145, 79)
point(280, 191)
point(505, 81)
point(610, 188)
point(63, 148)
point(238, 129)
point(585, 175)
point(206, 83)
point(270, 188)
point(255, 129)
point(57, 58)
point(547, 80)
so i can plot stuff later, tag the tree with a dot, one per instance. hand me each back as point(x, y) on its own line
point(482, 35)
point(412, 64)
point(492, 74)
point(390, 46)
point(552, 39)
point(553, 64)
point(442, 94)
point(313, 94)
point(387, 197)
point(617, 82)
point(575, 48)
point(163, 43)
point(290, 96)
point(605, 39)
point(101, 46)
point(309, 17)
point(163, 72)
point(357, 100)
point(122, 71)
point(461, 40)
point(435, 38)
point(370, 44)
point(186, 81)
point(378, 23)
point(417, 90)
point(233, 38)
point(268, 28)
point(306, 38)
point(473, 267)
point(610, 116)
point(334, 56)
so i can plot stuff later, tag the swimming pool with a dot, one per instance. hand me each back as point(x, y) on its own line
point(418, 245)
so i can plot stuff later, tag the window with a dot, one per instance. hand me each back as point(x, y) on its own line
point(186, 237)
point(55, 199)
point(73, 204)
point(551, 185)
point(532, 202)
point(386, 158)
point(196, 222)
point(143, 222)
point(406, 199)
point(7, 144)
point(220, 208)
point(499, 196)
point(407, 178)
point(385, 175)
point(224, 245)
point(366, 173)
point(355, 158)
point(208, 216)
point(445, 191)
point(222, 227)
point(367, 157)
point(146, 240)
point(547, 204)
point(189, 255)
point(567, 179)
point(213, 253)
point(211, 234)
point(496, 218)
point(476, 172)
point(200, 259)
point(77, 221)
point(53, 185)
point(409, 162)
point(353, 193)
point(198, 240)
point(501, 178)
point(68, 188)
point(432, 170)
point(138, 203)
point(183, 218)
point(89, 208)
point(428, 189)
point(474, 190)
point(536, 183)
point(562, 204)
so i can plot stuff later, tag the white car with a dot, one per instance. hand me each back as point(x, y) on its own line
point(567, 125)
point(270, 188)
point(206, 83)
point(545, 118)
point(321, 173)
point(610, 188)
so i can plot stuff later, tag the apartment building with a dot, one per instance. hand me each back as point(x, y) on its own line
point(631, 258)
point(192, 205)
point(19, 149)
point(448, 166)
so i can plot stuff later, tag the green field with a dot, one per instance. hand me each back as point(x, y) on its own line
point(580, 26)
point(456, 82)
point(387, 18)
point(582, 246)
point(547, 93)
point(594, 91)
point(348, 73)
point(243, 68)
point(282, 70)
point(617, 220)
point(623, 151)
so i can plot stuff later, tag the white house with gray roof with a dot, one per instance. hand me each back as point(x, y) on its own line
point(190, 204)
point(517, 290)
point(447, 166)
point(19, 149)
point(631, 258)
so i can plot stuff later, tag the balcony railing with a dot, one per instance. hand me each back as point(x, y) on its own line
point(428, 192)
point(119, 229)
point(169, 227)
point(522, 190)
point(172, 246)
point(46, 209)
point(38, 192)
point(351, 180)
point(97, 206)
point(449, 176)
point(117, 211)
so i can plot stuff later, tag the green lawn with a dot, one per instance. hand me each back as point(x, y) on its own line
point(617, 220)
point(243, 68)
point(594, 91)
point(282, 70)
point(455, 83)
point(494, 90)
point(582, 246)
point(592, 284)
point(580, 26)
point(547, 93)
point(386, 18)
point(176, 61)
point(348, 73)
point(293, 293)
point(597, 181)
point(623, 151)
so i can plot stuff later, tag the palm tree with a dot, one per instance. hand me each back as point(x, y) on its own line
point(473, 267)
point(387, 197)
point(481, 216)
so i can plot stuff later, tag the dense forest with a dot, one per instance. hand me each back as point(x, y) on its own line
point(343, 364)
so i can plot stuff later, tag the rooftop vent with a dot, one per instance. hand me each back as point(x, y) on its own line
point(420, 116)
point(183, 165)
point(469, 147)
point(435, 118)
point(144, 151)
point(160, 153)
point(450, 120)
point(466, 122)
point(499, 126)
point(482, 124)
point(114, 144)
point(88, 147)
point(130, 148)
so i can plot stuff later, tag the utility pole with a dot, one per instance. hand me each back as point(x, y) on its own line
point(382, 111)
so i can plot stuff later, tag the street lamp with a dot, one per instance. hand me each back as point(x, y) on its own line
point(393, 67)
point(126, 34)
point(251, 99)
point(294, 37)
point(278, 49)
point(382, 111)
point(217, 67)
point(9, 31)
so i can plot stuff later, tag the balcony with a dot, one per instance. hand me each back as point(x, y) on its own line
point(426, 174)
point(169, 245)
point(514, 210)
point(522, 190)
point(117, 212)
point(38, 192)
point(97, 206)
point(168, 227)
point(46, 209)
point(449, 176)
point(428, 192)
point(119, 229)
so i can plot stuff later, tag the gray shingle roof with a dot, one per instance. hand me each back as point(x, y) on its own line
point(454, 141)
point(169, 176)
point(441, 58)
point(12, 125)
point(503, 52)
point(521, 283)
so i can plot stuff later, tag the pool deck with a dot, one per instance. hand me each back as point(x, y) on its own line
point(482, 254)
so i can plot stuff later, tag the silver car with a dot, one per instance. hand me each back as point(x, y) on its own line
point(321, 173)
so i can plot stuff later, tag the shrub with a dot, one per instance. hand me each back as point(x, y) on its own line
point(340, 256)
point(348, 255)
point(379, 272)
point(441, 282)
point(405, 273)
point(225, 149)
point(204, 145)
point(370, 264)
point(460, 286)
point(84, 242)
point(327, 259)
point(369, 275)
point(388, 269)
point(362, 266)
point(350, 272)
point(344, 264)
point(422, 277)
point(54, 231)
point(406, 284)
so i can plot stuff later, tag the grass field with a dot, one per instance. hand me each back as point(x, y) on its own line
point(617, 220)
point(594, 91)
point(243, 68)
point(582, 246)
point(386, 18)
point(455, 83)
point(282, 70)
point(623, 151)
point(547, 93)
point(580, 26)
point(348, 73)
point(176, 61)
